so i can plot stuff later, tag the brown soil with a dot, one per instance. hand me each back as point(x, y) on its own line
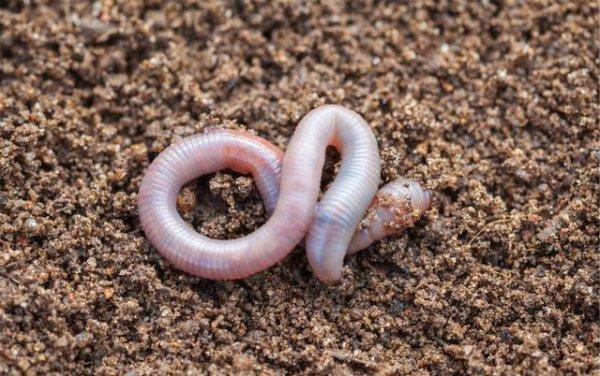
point(492, 104)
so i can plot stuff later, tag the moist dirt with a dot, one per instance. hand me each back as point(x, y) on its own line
point(493, 105)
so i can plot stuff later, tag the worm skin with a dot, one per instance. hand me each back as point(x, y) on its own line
point(289, 190)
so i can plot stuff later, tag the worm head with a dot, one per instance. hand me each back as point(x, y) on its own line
point(410, 192)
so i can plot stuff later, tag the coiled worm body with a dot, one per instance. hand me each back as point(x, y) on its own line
point(290, 191)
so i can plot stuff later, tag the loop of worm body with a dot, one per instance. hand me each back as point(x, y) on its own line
point(289, 185)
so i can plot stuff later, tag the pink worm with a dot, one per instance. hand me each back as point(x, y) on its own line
point(290, 192)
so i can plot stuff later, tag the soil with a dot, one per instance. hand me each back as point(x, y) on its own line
point(492, 104)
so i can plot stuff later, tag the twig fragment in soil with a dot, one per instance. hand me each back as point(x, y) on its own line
point(353, 360)
point(502, 220)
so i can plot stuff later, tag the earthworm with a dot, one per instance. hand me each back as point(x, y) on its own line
point(289, 185)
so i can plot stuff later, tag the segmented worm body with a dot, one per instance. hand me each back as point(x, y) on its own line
point(289, 185)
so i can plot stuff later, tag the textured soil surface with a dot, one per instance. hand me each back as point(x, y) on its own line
point(492, 104)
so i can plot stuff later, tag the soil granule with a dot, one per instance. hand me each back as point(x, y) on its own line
point(492, 104)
